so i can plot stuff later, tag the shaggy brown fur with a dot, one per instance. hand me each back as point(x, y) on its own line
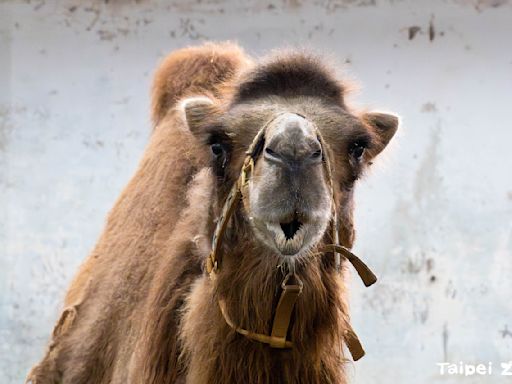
point(141, 309)
point(110, 289)
point(290, 76)
point(194, 71)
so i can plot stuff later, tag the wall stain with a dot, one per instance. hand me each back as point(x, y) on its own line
point(445, 337)
point(481, 5)
point(417, 264)
point(427, 179)
point(413, 31)
point(5, 126)
point(431, 30)
point(429, 107)
point(505, 332)
point(430, 264)
point(106, 35)
point(96, 16)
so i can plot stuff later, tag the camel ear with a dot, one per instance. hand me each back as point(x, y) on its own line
point(196, 111)
point(384, 126)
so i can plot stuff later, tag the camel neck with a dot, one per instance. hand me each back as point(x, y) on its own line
point(249, 285)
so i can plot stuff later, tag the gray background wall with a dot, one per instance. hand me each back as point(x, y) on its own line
point(433, 217)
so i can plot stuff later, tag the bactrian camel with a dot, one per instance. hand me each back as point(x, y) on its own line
point(224, 259)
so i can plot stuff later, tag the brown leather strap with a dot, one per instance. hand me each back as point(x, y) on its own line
point(213, 260)
point(277, 338)
point(353, 344)
point(362, 269)
point(281, 323)
point(265, 339)
point(334, 213)
point(284, 312)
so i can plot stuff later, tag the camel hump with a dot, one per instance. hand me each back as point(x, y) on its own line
point(194, 71)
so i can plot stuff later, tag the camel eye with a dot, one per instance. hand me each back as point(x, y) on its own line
point(217, 149)
point(220, 151)
point(357, 149)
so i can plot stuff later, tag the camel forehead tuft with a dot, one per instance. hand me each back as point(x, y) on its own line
point(288, 75)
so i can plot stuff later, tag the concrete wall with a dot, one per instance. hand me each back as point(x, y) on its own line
point(433, 217)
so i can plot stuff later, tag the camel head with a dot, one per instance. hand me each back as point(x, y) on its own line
point(291, 109)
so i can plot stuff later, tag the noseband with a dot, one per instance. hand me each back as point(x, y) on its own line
point(291, 285)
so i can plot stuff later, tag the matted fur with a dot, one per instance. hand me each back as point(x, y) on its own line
point(142, 310)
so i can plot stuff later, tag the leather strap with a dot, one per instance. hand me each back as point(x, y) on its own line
point(284, 312)
point(334, 214)
point(365, 273)
point(353, 344)
point(265, 339)
point(212, 262)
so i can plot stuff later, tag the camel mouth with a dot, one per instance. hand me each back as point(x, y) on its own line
point(291, 228)
point(290, 236)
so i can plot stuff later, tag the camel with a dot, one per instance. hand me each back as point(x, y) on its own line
point(225, 258)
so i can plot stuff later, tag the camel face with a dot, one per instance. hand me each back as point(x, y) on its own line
point(288, 204)
point(297, 107)
point(290, 201)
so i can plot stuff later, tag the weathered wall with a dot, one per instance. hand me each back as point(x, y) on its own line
point(433, 218)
